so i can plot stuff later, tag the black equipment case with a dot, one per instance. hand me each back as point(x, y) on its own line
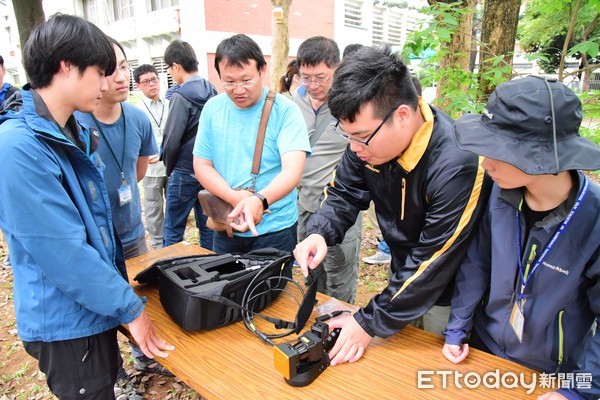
point(206, 292)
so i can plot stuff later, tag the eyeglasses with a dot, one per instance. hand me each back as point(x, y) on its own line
point(364, 142)
point(306, 81)
point(169, 66)
point(124, 69)
point(244, 84)
point(145, 82)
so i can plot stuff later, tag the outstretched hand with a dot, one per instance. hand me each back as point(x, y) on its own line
point(352, 341)
point(143, 333)
point(310, 252)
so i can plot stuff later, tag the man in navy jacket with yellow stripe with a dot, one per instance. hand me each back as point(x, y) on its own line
point(427, 193)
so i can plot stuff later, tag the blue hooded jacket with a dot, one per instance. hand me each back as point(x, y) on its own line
point(562, 294)
point(69, 279)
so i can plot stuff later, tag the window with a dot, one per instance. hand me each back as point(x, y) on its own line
point(353, 13)
point(133, 64)
point(123, 9)
point(395, 28)
point(160, 4)
point(90, 11)
point(377, 36)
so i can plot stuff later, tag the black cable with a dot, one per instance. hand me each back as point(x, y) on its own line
point(249, 296)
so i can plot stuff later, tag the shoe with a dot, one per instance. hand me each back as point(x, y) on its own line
point(150, 366)
point(378, 258)
point(126, 390)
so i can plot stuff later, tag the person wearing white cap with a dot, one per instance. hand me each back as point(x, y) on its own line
point(529, 288)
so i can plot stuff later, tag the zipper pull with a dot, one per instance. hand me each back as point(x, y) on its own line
point(87, 352)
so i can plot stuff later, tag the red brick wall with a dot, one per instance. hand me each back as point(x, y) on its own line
point(306, 18)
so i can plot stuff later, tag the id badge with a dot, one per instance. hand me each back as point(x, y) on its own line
point(517, 321)
point(125, 194)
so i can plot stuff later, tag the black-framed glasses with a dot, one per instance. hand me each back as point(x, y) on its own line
point(366, 141)
point(154, 79)
point(306, 81)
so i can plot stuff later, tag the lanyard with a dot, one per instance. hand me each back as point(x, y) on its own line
point(162, 112)
point(550, 245)
point(119, 164)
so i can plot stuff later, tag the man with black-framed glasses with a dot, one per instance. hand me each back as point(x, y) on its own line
point(318, 57)
point(155, 182)
point(428, 194)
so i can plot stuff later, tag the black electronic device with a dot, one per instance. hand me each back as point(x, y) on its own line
point(302, 362)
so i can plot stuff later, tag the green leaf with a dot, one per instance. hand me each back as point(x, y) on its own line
point(444, 34)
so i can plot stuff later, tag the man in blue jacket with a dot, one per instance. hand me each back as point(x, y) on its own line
point(55, 212)
point(529, 288)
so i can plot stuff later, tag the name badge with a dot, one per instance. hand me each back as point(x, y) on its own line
point(517, 321)
point(125, 194)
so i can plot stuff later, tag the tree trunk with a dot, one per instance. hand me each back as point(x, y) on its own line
point(459, 49)
point(499, 29)
point(280, 44)
point(29, 14)
point(574, 12)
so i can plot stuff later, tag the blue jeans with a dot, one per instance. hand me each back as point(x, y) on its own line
point(182, 196)
point(383, 247)
point(284, 240)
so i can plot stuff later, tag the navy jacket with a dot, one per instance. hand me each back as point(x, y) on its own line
point(562, 295)
point(181, 127)
point(427, 201)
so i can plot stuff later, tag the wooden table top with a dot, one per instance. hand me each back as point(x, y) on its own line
point(232, 363)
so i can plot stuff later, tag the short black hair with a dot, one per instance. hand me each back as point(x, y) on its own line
point(316, 50)
point(238, 51)
point(182, 53)
point(116, 43)
point(66, 38)
point(141, 70)
point(417, 84)
point(372, 75)
point(351, 48)
point(1, 61)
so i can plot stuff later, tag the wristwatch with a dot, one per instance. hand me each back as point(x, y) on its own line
point(262, 198)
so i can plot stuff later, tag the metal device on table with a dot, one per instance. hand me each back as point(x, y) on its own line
point(302, 362)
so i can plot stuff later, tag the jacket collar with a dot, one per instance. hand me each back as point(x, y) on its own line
point(514, 198)
point(418, 145)
point(38, 116)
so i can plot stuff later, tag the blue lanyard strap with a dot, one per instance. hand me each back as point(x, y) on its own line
point(550, 245)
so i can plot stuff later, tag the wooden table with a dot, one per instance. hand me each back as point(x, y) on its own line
point(232, 363)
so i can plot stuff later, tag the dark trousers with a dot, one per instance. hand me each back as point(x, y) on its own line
point(182, 196)
point(284, 240)
point(82, 368)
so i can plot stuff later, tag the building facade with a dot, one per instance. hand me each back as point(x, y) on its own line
point(146, 27)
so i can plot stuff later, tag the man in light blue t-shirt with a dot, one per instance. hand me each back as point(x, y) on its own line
point(224, 151)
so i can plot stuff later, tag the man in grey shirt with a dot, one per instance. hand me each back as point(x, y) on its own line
point(155, 182)
point(318, 57)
